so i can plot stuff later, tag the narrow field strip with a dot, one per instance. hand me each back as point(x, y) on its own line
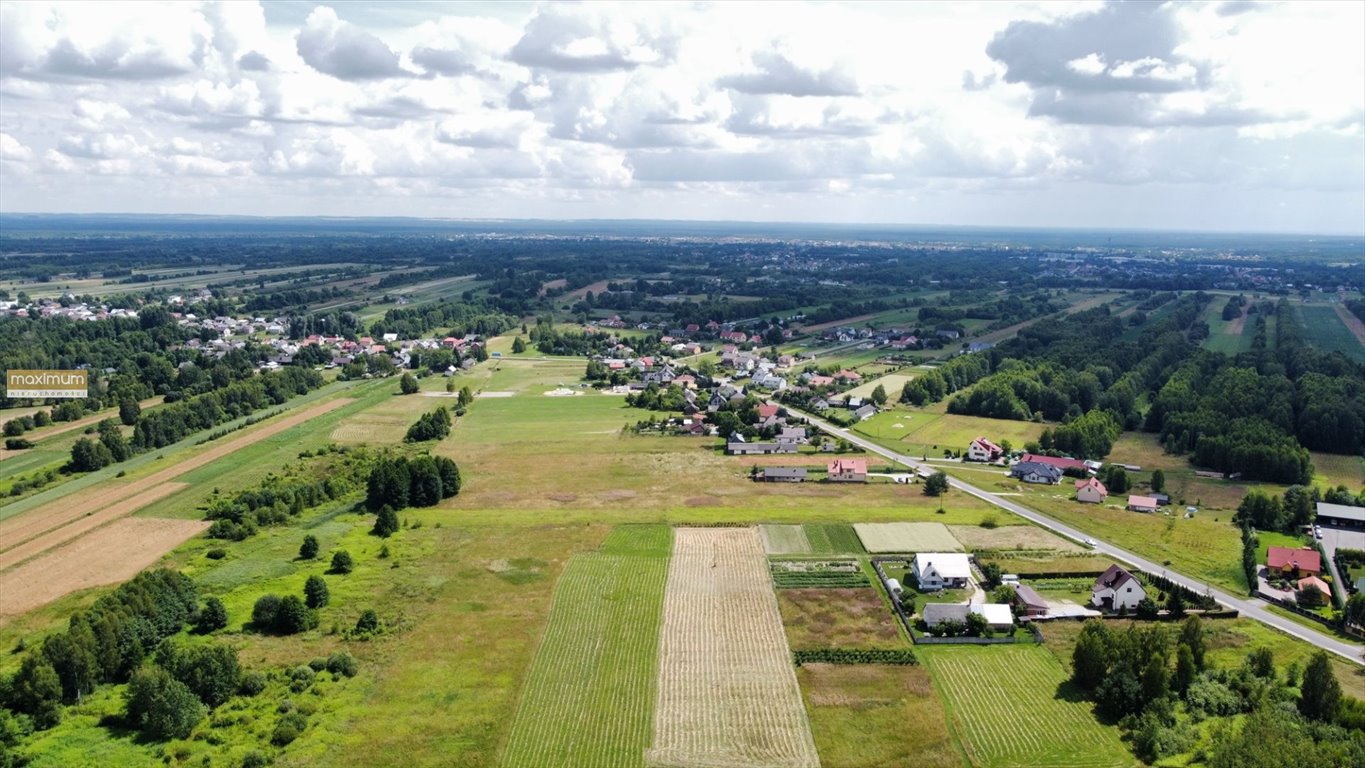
point(1004, 704)
point(109, 555)
point(58, 536)
point(589, 695)
point(39, 520)
point(907, 537)
point(728, 695)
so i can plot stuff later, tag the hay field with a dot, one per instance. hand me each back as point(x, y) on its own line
point(906, 537)
point(728, 694)
point(590, 689)
point(1007, 713)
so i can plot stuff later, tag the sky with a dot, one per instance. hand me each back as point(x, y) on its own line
point(1222, 116)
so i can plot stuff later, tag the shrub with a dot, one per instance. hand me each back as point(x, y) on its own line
point(308, 550)
point(342, 562)
point(264, 611)
point(342, 664)
point(315, 593)
point(368, 623)
point(293, 616)
point(217, 553)
point(161, 706)
point(252, 683)
point(288, 728)
point(386, 522)
point(254, 759)
point(213, 616)
point(301, 677)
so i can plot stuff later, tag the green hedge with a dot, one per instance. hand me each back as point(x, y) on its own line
point(897, 656)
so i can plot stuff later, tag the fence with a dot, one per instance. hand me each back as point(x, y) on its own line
point(1326, 622)
point(1037, 634)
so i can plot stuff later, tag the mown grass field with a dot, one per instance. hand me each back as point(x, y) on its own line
point(1227, 336)
point(1325, 331)
point(872, 716)
point(589, 695)
point(1010, 706)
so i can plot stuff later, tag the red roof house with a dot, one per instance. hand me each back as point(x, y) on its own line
point(847, 471)
point(1059, 462)
point(767, 411)
point(1294, 562)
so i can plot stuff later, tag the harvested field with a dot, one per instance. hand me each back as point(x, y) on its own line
point(1007, 711)
point(784, 539)
point(906, 537)
point(588, 695)
point(728, 694)
point(52, 538)
point(65, 511)
point(107, 556)
point(837, 618)
point(1029, 537)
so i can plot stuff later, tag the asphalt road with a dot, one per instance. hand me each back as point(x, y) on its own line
point(1249, 607)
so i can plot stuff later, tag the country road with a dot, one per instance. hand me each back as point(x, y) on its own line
point(1249, 607)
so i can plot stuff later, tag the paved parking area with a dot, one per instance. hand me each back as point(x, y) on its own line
point(1340, 538)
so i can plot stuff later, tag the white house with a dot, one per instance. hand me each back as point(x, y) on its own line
point(982, 449)
point(1091, 491)
point(1116, 589)
point(941, 570)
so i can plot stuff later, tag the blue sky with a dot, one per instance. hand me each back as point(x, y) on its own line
point(1210, 116)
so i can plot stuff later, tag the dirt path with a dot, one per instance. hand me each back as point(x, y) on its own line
point(1352, 322)
point(62, 512)
point(1235, 327)
point(110, 555)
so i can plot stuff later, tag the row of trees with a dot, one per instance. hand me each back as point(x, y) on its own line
point(105, 643)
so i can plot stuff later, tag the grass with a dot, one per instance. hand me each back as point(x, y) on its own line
point(871, 716)
point(589, 694)
point(1220, 338)
point(1268, 539)
point(784, 539)
point(1324, 330)
point(1012, 706)
point(892, 383)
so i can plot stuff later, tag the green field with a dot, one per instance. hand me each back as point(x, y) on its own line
point(1227, 336)
point(869, 716)
point(832, 539)
point(589, 695)
point(1008, 707)
point(1325, 331)
point(917, 432)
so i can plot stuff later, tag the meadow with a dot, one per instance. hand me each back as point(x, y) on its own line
point(1009, 706)
point(1227, 336)
point(869, 716)
point(918, 432)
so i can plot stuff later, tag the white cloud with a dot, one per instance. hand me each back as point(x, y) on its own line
point(734, 110)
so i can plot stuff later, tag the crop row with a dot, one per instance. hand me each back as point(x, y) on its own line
point(820, 579)
point(897, 656)
point(589, 698)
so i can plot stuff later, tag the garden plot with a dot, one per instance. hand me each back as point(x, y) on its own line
point(727, 693)
point(784, 540)
point(1006, 710)
point(588, 695)
point(906, 537)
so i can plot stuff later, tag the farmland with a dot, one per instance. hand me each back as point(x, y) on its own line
point(906, 537)
point(597, 660)
point(1008, 707)
point(924, 433)
point(869, 716)
point(1326, 330)
point(727, 692)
